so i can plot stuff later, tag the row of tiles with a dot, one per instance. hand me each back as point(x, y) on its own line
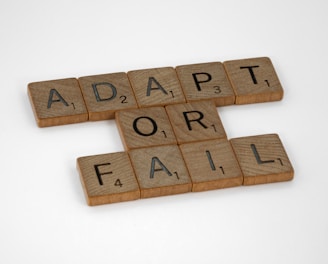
point(172, 169)
point(99, 97)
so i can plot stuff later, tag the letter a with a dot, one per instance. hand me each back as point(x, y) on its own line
point(60, 98)
point(159, 87)
point(163, 168)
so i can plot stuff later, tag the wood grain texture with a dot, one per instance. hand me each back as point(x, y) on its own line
point(107, 93)
point(195, 121)
point(144, 127)
point(262, 159)
point(57, 102)
point(206, 81)
point(160, 171)
point(108, 178)
point(212, 165)
point(254, 80)
point(156, 87)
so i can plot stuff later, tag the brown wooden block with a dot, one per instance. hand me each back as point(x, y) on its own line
point(156, 87)
point(212, 165)
point(57, 102)
point(206, 81)
point(195, 121)
point(145, 127)
point(254, 80)
point(107, 93)
point(108, 178)
point(262, 159)
point(160, 171)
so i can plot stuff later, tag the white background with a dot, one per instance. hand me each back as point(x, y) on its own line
point(44, 217)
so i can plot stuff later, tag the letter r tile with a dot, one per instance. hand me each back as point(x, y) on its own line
point(108, 178)
point(262, 159)
point(156, 87)
point(196, 121)
point(212, 165)
point(160, 171)
point(107, 93)
point(144, 127)
point(254, 80)
point(57, 102)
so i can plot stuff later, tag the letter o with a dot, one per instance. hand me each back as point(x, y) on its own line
point(136, 129)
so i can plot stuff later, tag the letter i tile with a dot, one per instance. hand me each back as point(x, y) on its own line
point(57, 102)
point(108, 178)
point(262, 159)
point(107, 93)
point(160, 171)
point(212, 165)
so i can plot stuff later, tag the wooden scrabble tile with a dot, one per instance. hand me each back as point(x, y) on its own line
point(57, 102)
point(108, 178)
point(160, 171)
point(212, 165)
point(156, 87)
point(195, 121)
point(144, 127)
point(105, 94)
point(262, 159)
point(206, 81)
point(254, 80)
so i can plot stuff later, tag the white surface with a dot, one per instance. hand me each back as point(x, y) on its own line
point(44, 216)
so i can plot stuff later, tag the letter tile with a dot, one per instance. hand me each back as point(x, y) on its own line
point(212, 165)
point(108, 178)
point(254, 80)
point(57, 102)
point(160, 171)
point(206, 81)
point(107, 93)
point(195, 121)
point(144, 127)
point(156, 87)
point(262, 159)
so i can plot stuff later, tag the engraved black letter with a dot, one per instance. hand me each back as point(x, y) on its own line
point(188, 121)
point(159, 87)
point(163, 168)
point(257, 156)
point(60, 98)
point(194, 75)
point(96, 92)
point(98, 172)
point(136, 129)
point(209, 157)
point(250, 69)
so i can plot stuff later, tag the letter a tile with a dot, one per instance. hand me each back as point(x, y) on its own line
point(195, 121)
point(105, 94)
point(206, 81)
point(262, 159)
point(212, 165)
point(156, 87)
point(108, 178)
point(144, 127)
point(57, 102)
point(160, 171)
point(254, 80)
